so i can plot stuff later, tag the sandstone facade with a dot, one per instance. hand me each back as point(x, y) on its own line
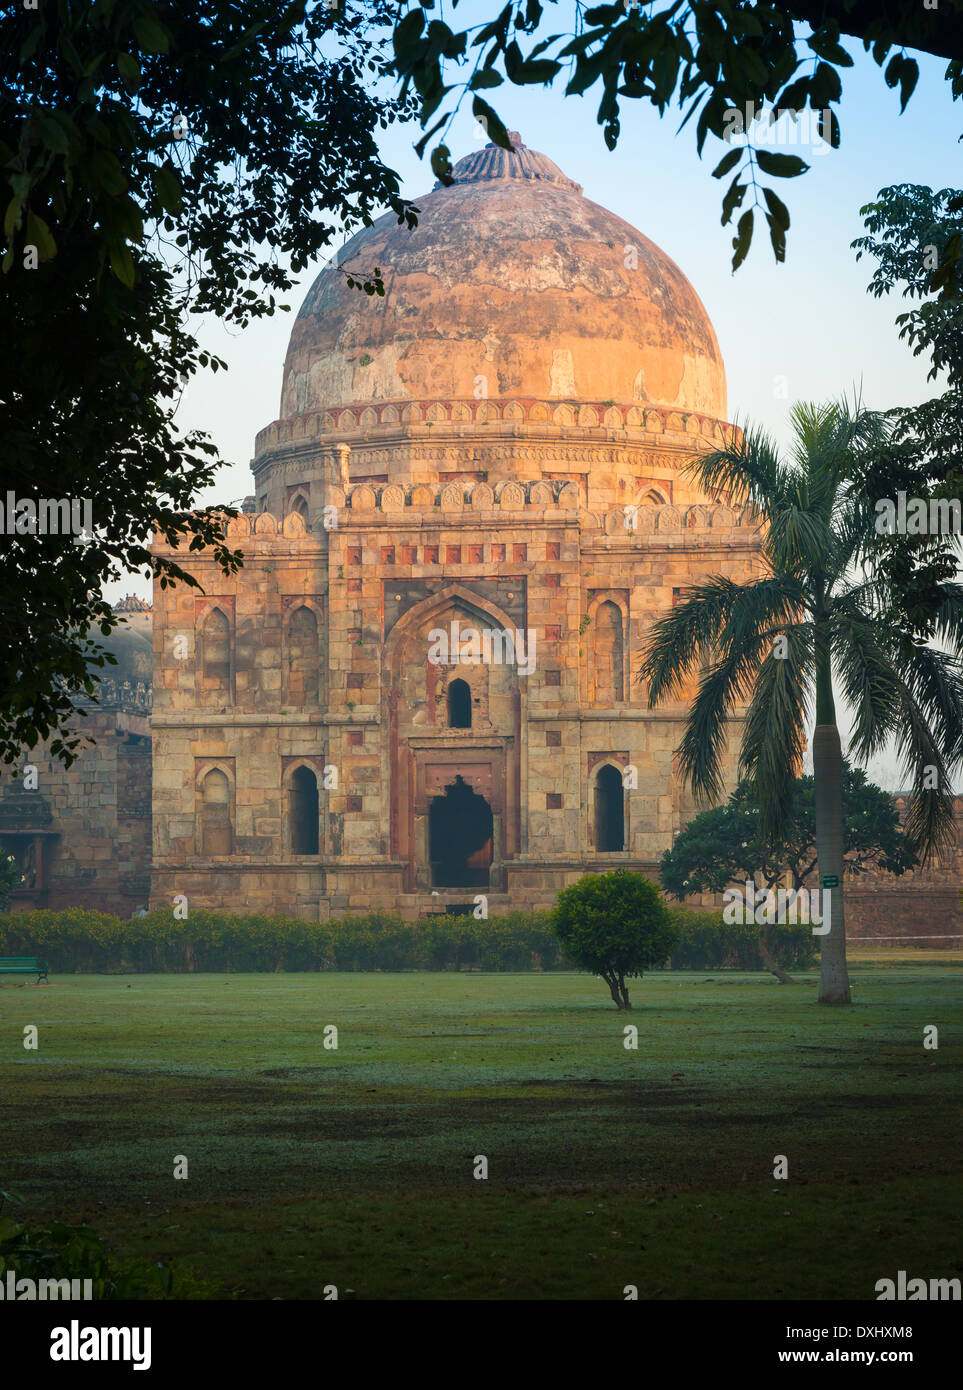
point(330, 666)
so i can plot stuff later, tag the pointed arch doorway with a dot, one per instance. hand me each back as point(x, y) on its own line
point(460, 837)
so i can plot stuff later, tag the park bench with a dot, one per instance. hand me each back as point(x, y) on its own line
point(24, 965)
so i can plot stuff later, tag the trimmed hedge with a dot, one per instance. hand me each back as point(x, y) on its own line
point(96, 942)
point(706, 942)
point(79, 940)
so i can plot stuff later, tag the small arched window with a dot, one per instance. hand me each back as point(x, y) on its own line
point(609, 811)
point(217, 832)
point(608, 672)
point(459, 705)
point(300, 506)
point(303, 656)
point(303, 812)
point(215, 654)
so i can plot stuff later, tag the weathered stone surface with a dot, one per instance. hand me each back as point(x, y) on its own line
point(515, 285)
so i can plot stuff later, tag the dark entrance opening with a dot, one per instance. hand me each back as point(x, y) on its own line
point(609, 810)
point(459, 705)
point(460, 838)
point(304, 812)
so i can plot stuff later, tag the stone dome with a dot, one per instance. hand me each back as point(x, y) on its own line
point(513, 285)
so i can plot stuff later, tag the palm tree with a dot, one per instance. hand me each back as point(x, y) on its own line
point(821, 619)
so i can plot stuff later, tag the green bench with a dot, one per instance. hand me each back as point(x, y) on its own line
point(24, 965)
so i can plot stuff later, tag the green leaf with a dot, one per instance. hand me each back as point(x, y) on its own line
point(408, 32)
point(780, 166)
point(105, 170)
point(733, 198)
point(441, 163)
point(793, 96)
point(824, 87)
point(151, 35)
point(485, 77)
point(539, 70)
point(12, 218)
point(122, 264)
point(777, 237)
point(167, 187)
point(778, 210)
point(129, 69)
point(835, 134)
point(826, 46)
point(38, 234)
point(587, 71)
point(906, 72)
point(742, 240)
point(491, 121)
point(423, 142)
point(29, 46)
point(727, 162)
point(52, 134)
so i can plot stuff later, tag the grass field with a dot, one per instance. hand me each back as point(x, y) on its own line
point(607, 1167)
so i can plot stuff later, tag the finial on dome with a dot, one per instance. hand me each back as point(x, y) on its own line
point(495, 162)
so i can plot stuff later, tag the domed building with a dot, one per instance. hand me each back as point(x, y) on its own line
point(422, 686)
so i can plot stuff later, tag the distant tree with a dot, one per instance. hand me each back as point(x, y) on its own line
point(707, 58)
point(158, 161)
point(726, 844)
point(615, 925)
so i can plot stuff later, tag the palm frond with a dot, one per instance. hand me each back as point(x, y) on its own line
point(936, 681)
point(774, 735)
point(685, 635)
point(748, 470)
point(949, 617)
point(930, 823)
point(715, 613)
point(870, 680)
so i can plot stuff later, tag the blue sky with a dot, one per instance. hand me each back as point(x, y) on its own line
point(808, 322)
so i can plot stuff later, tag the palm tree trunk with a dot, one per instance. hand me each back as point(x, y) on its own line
point(828, 776)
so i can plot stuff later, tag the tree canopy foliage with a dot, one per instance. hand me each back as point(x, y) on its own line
point(707, 58)
point(159, 160)
point(615, 925)
point(726, 845)
point(915, 235)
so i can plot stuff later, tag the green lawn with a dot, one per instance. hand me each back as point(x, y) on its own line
point(607, 1167)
